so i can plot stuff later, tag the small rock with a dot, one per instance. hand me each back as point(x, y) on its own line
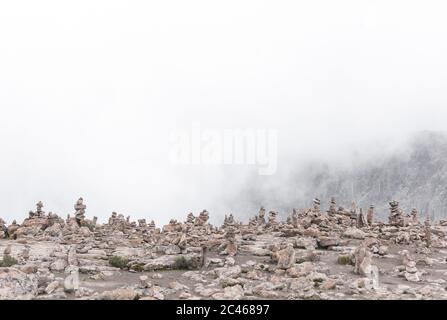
point(52, 287)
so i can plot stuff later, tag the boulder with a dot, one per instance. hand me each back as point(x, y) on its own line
point(167, 262)
point(119, 294)
point(327, 242)
point(52, 287)
point(17, 285)
point(59, 265)
point(228, 272)
point(286, 257)
point(354, 233)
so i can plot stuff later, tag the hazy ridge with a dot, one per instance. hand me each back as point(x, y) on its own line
point(415, 175)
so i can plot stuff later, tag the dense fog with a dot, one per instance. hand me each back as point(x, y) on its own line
point(92, 92)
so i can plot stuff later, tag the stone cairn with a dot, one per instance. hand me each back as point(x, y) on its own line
point(4, 229)
point(13, 228)
point(94, 221)
point(359, 256)
point(121, 223)
point(113, 218)
point(261, 217)
point(361, 220)
point(172, 226)
point(396, 215)
point(39, 213)
point(427, 231)
point(182, 241)
point(353, 211)
point(294, 220)
point(343, 211)
point(203, 218)
point(272, 219)
point(252, 222)
point(332, 207)
point(230, 244)
point(370, 215)
point(411, 273)
point(316, 206)
point(229, 221)
point(225, 223)
point(363, 264)
point(142, 223)
point(53, 218)
point(286, 257)
point(80, 211)
point(190, 219)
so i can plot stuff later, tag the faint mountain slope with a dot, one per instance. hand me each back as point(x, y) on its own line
point(417, 178)
point(415, 175)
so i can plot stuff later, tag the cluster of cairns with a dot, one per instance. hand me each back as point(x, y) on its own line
point(267, 247)
point(42, 225)
point(398, 218)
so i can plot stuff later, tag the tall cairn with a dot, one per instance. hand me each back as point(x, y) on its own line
point(332, 206)
point(427, 229)
point(370, 215)
point(396, 215)
point(316, 206)
point(80, 211)
point(261, 217)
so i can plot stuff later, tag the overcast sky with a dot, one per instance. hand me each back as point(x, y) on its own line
point(91, 90)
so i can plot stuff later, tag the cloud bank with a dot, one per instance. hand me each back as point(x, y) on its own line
point(91, 91)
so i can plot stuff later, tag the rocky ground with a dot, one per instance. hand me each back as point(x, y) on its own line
point(339, 254)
